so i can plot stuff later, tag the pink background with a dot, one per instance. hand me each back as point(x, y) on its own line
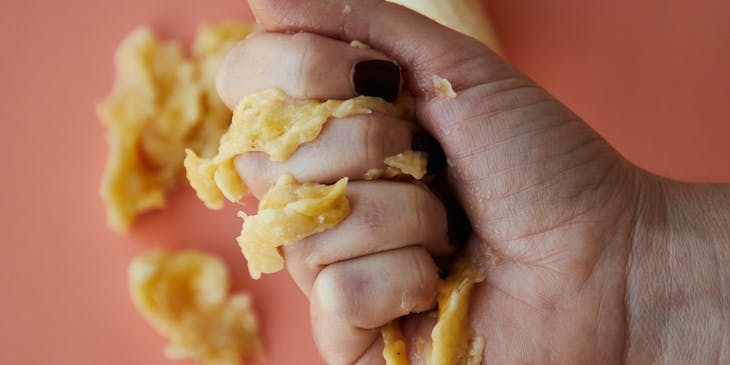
point(651, 76)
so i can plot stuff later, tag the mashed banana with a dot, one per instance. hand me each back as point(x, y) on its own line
point(451, 338)
point(161, 104)
point(443, 87)
point(185, 298)
point(452, 342)
point(272, 122)
point(287, 213)
point(411, 163)
point(164, 103)
point(394, 344)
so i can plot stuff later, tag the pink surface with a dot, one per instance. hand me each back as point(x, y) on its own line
point(651, 77)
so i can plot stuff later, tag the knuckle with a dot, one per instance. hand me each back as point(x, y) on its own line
point(370, 215)
point(375, 140)
point(429, 219)
point(333, 288)
point(379, 136)
point(312, 57)
point(308, 252)
point(424, 203)
point(256, 171)
point(422, 290)
point(368, 136)
point(309, 71)
point(248, 48)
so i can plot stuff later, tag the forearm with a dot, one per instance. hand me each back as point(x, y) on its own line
point(678, 278)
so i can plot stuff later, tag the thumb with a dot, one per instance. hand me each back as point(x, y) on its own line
point(513, 150)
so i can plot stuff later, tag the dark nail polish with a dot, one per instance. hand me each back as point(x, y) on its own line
point(377, 78)
point(423, 142)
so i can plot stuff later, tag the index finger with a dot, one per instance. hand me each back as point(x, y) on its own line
point(412, 39)
point(303, 65)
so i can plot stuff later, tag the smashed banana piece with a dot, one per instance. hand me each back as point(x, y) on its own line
point(287, 213)
point(272, 122)
point(184, 296)
point(161, 104)
point(394, 344)
point(405, 164)
point(411, 163)
point(443, 87)
point(452, 342)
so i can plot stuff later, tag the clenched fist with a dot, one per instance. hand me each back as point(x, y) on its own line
point(589, 259)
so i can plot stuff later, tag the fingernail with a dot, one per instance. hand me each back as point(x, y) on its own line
point(424, 142)
point(377, 78)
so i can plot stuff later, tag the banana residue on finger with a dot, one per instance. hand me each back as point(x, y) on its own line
point(411, 163)
point(272, 122)
point(358, 44)
point(184, 296)
point(408, 164)
point(287, 213)
point(443, 87)
point(452, 341)
point(394, 344)
point(451, 338)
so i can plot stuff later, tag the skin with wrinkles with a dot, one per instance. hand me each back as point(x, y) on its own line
point(589, 259)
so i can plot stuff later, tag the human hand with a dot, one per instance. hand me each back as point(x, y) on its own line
point(379, 257)
point(564, 224)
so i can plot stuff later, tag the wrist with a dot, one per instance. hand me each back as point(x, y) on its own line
point(678, 273)
point(699, 212)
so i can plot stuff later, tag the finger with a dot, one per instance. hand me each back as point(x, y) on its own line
point(305, 66)
point(416, 330)
point(346, 147)
point(384, 215)
point(426, 47)
point(506, 139)
point(352, 299)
